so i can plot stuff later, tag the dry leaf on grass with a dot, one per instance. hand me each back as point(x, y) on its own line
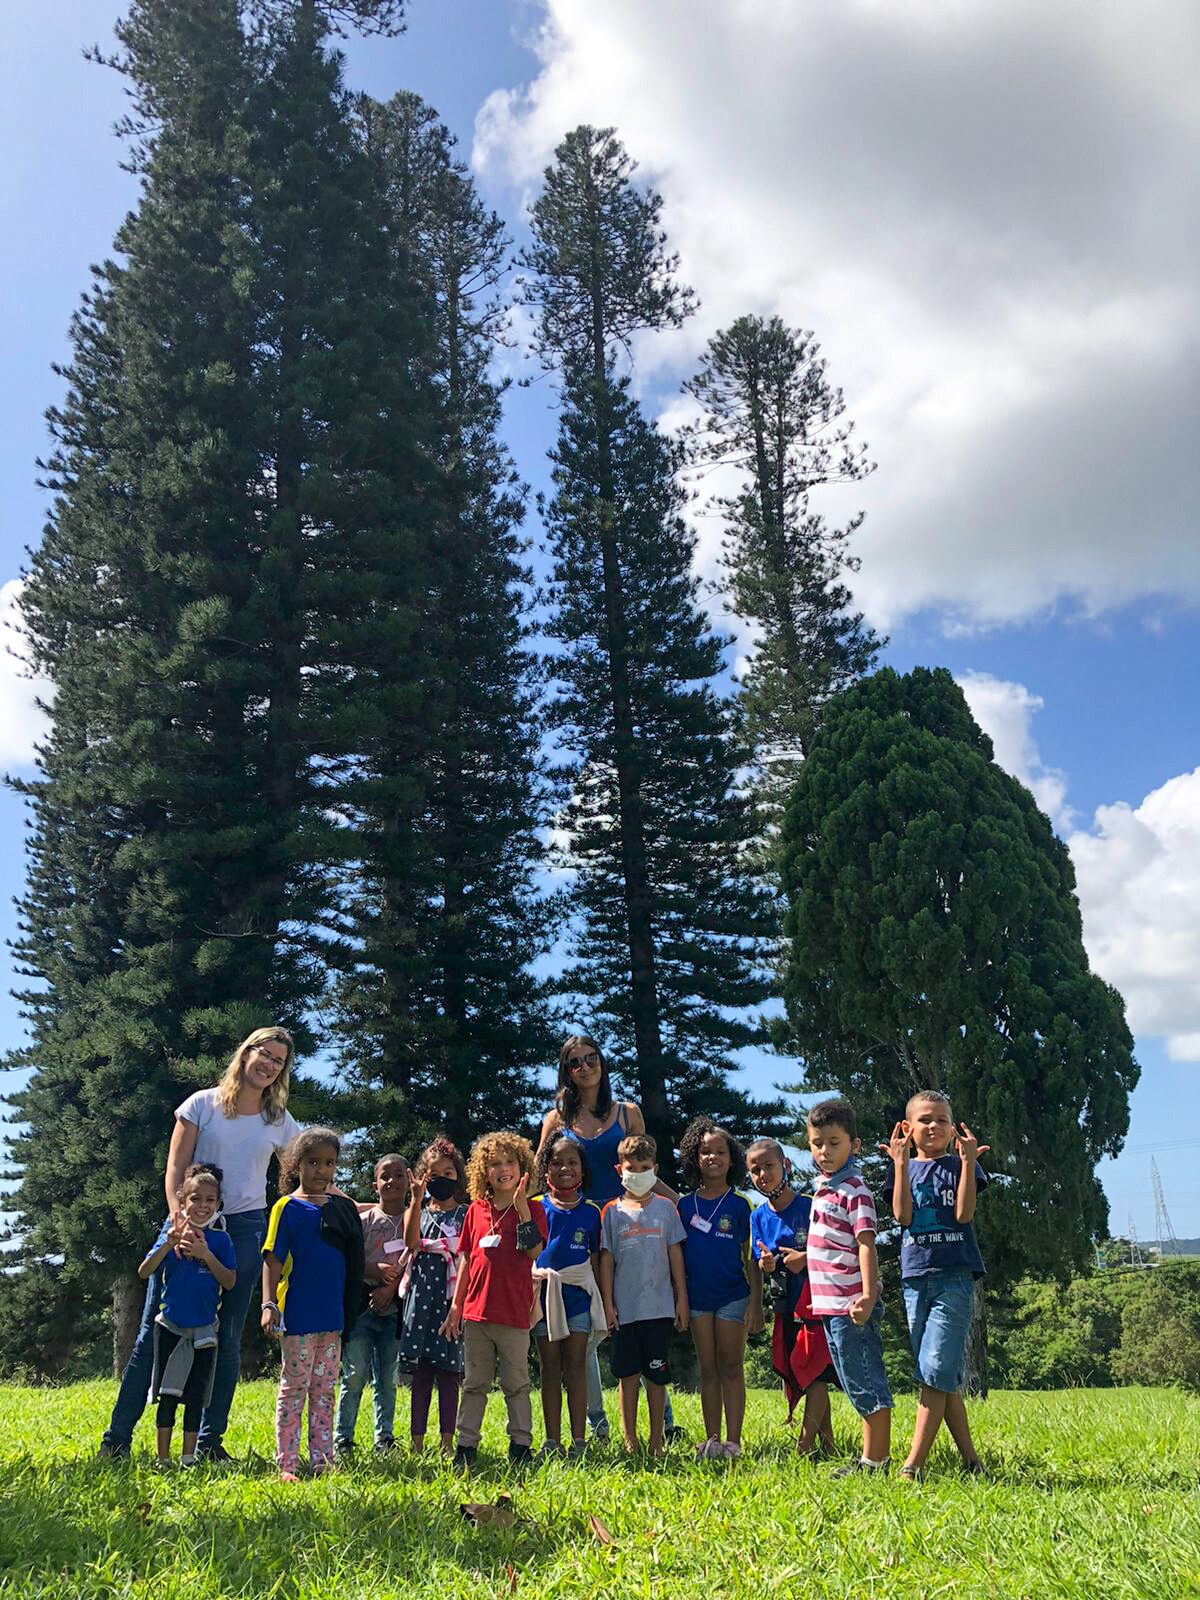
point(600, 1531)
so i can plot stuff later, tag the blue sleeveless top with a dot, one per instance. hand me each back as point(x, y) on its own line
point(601, 1153)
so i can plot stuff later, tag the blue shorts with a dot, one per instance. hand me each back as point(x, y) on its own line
point(857, 1355)
point(938, 1308)
point(581, 1322)
point(731, 1311)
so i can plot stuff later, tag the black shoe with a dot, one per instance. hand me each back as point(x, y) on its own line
point(520, 1454)
point(214, 1452)
point(110, 1451)
point(674, 1434)
point(464, 1456)
point(343, 1449)
point(382, 1446)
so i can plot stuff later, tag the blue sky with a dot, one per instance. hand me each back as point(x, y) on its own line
point(988, 217)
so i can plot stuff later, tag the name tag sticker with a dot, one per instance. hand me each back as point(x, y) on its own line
point(489, 1241)
point(391, 1246)
point(701, 1224)
point(451, 1235)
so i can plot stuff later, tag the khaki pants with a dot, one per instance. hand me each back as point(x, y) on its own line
point(485, 1344)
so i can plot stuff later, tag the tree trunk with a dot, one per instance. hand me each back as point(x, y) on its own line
point(975, 1381)
point(128, 1298)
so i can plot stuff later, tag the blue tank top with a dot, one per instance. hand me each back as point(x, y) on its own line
point(601, 1153)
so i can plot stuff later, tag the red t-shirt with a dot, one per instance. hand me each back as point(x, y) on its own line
point(499, 1277)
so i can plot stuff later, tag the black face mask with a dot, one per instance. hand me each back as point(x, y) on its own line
point(441, 1188)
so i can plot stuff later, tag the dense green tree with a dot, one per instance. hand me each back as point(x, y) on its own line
point(772, 415)
point(440, 1015)
point(230, 531)
point(934, 939)
point(669, 932)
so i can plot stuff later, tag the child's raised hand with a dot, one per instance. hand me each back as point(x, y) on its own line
point(519, 1198)
point(767, 1260)
point(968, 1146)
point(794, 1261)
point(416, 1192)
point(896, 1149)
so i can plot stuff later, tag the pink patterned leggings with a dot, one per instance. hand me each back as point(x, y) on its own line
point(310, 1370)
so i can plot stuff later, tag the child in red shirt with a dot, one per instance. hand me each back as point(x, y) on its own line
point(493, 1297)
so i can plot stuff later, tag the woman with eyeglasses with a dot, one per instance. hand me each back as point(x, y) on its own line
point(238, 1125)
point(584, 1109)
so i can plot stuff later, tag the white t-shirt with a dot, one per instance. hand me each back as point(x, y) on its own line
point(241, 1146)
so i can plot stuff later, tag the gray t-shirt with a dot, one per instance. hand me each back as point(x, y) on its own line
point(639, 1238)
point(241, 1146)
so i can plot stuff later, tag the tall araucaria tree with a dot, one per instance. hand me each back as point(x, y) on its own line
point(226, 463)
point(670, 931)
point(934, 940)
point(440, 1016)
point(772, 415)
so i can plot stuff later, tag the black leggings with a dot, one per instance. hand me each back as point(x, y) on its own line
point(194, 1389)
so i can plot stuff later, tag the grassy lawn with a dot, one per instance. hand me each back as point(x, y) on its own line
point(1094, 1493)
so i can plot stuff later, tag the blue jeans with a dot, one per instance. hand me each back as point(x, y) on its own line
point(857, 1355)
point(369, 1352)
point(938, 1308)
point(139, 1369)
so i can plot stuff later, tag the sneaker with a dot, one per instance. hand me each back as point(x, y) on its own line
point(520, 1454)
point(710, 1450)
point(464, 1456)
point(110, 1451)
point(732, 1450)
point(550, 1451)
point(214, 1451)
point(577, 1450)
point(674, 1435)
point(343, 1449)
point(187, 1461)
point(382, 1446)
point(161, 1464)
point(976, 1469)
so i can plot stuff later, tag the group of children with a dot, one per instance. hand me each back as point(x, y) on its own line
point(458, 1263)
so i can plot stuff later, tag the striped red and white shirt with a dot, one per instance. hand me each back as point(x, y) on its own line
point(842, 1208)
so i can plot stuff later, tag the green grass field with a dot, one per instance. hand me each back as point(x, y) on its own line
point(1094, 1493)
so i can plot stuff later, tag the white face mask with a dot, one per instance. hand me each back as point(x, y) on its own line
point(639, 1183)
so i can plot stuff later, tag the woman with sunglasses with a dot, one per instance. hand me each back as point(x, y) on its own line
point(584, 1109)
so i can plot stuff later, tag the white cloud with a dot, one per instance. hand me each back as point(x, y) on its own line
point(1137, 870)
point(987, 213)
point(1005, 712)
point(22, 722)
point(1139, 886)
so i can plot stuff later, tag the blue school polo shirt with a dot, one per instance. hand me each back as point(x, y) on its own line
point(190, 1293)
point(313, 1282)
point(770, 1229)
point(572, 1237)
point(714, 1257)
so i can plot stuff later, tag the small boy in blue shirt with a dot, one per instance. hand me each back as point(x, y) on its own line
point(933, 1199)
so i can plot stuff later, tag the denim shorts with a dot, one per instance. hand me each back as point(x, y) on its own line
point(938, 1308)
point(734, 1310)
point(857, 1355)
point(581, 1322)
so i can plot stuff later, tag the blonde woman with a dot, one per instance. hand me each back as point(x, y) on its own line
point(238, 1125)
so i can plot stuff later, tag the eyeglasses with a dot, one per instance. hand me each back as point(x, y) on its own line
point(589, 1060)
point(267, 1056)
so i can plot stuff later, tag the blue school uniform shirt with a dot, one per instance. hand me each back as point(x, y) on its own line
point(770, 1229)
point(190, 1293)
point(572, 1237)
point(312, 1285)
point(934, 1241)
point(714, 1258)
